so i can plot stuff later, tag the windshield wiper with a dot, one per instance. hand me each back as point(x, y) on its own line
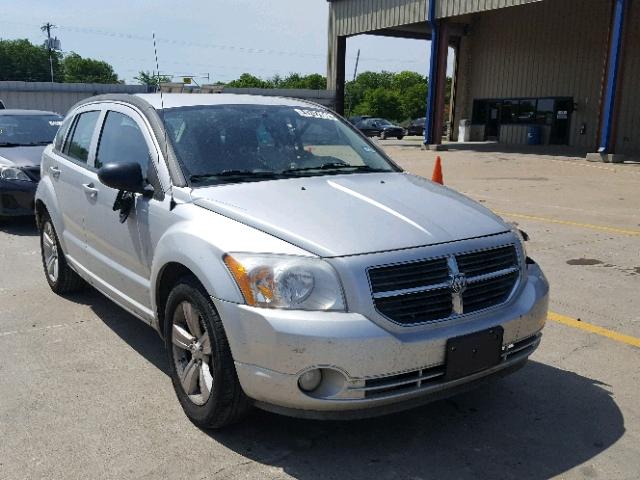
point(234, 175)
point(337, 166)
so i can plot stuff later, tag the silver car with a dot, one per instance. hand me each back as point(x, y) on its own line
point(287, 262)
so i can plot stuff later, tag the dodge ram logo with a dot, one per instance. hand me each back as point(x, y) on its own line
point(458, 283)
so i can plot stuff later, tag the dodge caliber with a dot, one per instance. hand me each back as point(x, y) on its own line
point(285, 260)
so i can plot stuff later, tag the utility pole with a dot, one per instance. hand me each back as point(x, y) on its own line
point(355, 71)
point(47, 28)
point(355, 75)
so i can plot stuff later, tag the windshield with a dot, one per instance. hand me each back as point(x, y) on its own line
point(227, 143)
point(381, 121)
point(20, 130)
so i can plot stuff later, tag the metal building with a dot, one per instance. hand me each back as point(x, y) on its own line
point(567, 71)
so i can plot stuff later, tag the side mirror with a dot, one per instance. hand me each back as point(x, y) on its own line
point(125, 177)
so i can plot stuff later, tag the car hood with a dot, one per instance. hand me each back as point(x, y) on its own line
point(338, 215)
point(21, 156)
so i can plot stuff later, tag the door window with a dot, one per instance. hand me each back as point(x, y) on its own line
point(62, 131)
point(79, 142)
point(122, 141)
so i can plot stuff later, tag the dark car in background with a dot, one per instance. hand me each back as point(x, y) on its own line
point(416, 127)
point(380, 127)
point(23, 137)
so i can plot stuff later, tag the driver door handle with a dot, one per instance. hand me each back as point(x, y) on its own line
point(55, 171)
point(90, 189)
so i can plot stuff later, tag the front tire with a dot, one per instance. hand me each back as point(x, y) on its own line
point(60, 277)
point(400, 137)
point(200, 361)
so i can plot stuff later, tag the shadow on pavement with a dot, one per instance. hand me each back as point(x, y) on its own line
point(19, 226)
point(137, 334)
point(535, 424)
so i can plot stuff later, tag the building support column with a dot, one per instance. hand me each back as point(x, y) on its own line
point(606, 147)
point(336, 63)
point(437, 78)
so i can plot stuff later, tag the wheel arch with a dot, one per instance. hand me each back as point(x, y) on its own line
point(167, 278)
point(47, 202)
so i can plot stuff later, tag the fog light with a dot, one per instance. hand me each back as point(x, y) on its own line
point(310, 380)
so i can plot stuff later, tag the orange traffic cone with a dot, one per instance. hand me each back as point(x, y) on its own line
point(437, 172)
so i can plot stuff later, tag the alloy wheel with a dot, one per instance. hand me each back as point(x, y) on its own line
point(50, 250)
point(192, 353)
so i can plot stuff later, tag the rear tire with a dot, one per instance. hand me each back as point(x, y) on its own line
point(400, 137)
point(200, 361)
point(60, 277)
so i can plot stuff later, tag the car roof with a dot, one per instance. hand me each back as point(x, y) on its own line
point(15, 111)
point(173, 100)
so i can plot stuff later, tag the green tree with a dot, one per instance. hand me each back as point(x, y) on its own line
point(22, 61)
point(87, 70)
point(294, 80)
point(414, 100)
point(381, 102)
point(355, 90)
point(151, 79)
point(247, 80)
point(403, 81)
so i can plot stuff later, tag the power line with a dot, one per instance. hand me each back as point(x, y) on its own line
point(231, 48)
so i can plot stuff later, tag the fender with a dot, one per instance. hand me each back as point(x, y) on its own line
point(199, 243)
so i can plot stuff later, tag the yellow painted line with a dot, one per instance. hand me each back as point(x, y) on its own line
point(587, 327)
point(602, 228)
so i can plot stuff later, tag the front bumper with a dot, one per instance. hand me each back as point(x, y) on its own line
point(371, 370)
point(17, 198)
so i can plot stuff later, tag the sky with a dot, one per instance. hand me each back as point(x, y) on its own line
point(219, 38)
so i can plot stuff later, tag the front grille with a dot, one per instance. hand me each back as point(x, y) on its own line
point(417, 307)
point(442, 288)
point(408, 275)
point(480, 263)
point(484, 294)
point(402, 383)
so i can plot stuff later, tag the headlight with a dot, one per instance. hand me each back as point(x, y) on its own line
point(13, 173)
point(288, 282)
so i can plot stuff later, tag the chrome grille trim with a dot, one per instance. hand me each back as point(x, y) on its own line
point(420, 376)
point(489, 276)
point(489, 265)
point(408, 291)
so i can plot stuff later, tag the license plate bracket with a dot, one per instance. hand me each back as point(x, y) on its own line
point(473, 353)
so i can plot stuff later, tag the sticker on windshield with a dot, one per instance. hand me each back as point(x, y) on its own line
point(315, 114)
point(55, 123)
